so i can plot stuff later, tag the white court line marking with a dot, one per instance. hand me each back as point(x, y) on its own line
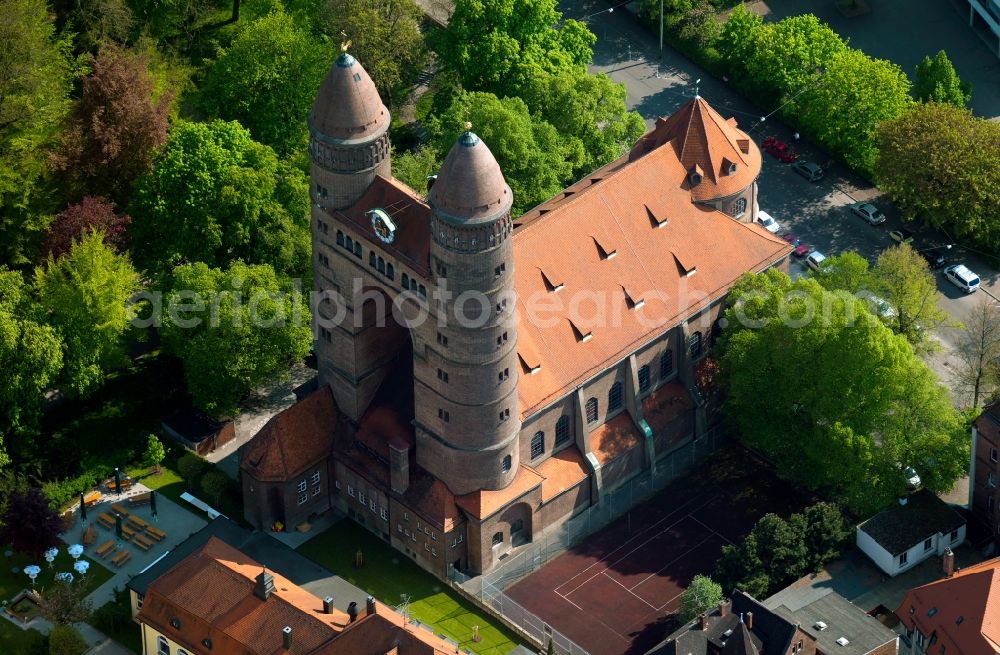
point(605, 574)
point(655, 536)
point(679, 557)
point(569, 601)
point(713, 531)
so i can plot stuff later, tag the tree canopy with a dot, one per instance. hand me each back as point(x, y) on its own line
point(241, 326)
point(267, 80)
point(36, 77)
point(85, 294)
point(30, 356)
point(215, 195)
point(29, 524)
point(903, 278)
point(115, 127)
point(91, 214)
point(941, 164)
point(535, 158)
point(937, 81)
point(862, 407)
point(701, 595)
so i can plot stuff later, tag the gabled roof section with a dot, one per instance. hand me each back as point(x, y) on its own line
point(901, 527)
point(972, 594)
point(703, 139)
point(560, 244)
point(293, 440)
point(483, 503)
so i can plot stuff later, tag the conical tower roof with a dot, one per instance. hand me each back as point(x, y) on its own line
point(470, 187)
point(348, 106)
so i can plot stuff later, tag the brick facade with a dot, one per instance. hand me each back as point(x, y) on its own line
point(984, 471)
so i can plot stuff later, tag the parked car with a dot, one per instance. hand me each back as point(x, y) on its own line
point(902, 236)
point(789, 237)
point(935, 258)
point(809, 170)
point(768, 222)
point(869, 212)
point(876, 305)
point(815, 260)
point(962, 277)
point(801, 249)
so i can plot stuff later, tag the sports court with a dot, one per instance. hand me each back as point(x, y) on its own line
point(612, 593)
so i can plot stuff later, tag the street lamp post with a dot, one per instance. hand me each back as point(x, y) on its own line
point(661, 29)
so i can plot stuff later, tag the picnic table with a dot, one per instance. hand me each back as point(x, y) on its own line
point(139, 499)
point(119, 509)
point(137, 523)
point(91, 498)
point(121, 557)
point(89, 534)
point(105, 548)
point(159, 535)
point(106, 520)
point(142, 542)
point(128, 531)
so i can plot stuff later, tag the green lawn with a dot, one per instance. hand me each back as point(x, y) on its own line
point(11, 582)
point(16, 640)
point(115, 620)
point(388, 573)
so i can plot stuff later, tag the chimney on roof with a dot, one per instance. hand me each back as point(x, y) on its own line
point(749, 621)
point(703, 621)
point(328, 605)
point(369, 606)
point(724, 608)
point(399, 468)
point(264, 585)
point(286, 637)
point(352, 612)
point(948, 563)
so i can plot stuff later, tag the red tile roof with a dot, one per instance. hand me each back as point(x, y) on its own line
point(614, 438)
point(972, 594)
point(293, 440)
point(483, 503)
point(562, 471)
point(470, 187)
point(211, 594)
point(624, 209)
point(705, 141)
point(347, 105)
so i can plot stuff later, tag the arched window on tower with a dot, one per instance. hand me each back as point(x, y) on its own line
point(381, 265)
point(614, 399)
point(497, 538)
point(371, 259)
point(406, 281)
point(591, 410)
point(357, 249)
point(562, 430)
point(390, 272)
point(349, 244)
point(537, 445)
point(340, 238)
point(505, 465)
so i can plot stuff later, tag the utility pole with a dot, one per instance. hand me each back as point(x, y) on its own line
point(661, 29)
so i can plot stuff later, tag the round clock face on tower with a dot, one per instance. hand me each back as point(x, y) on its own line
point(383, 226)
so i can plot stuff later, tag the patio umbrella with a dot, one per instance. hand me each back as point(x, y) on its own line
point(118, 525)
point(83, 509)
point(152, 503)
point(118, 480)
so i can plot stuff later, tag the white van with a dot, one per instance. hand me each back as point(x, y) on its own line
point(962, 277)
point(767, 222)
point(815, 259)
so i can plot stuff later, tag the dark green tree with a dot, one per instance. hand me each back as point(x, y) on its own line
point(414, 167)
point(267, 80)
point(215, 195)
point(826, 533)
point(36, 77)
point(701, 595)
point(941, 164)
point(937, 81)
point(28, 524)
point(740, 568)
point(233, 329)
point(66, 640)
point(85, 294)
point(847, 271)
point(155, 453)
point(904, 280)
point(781, 547)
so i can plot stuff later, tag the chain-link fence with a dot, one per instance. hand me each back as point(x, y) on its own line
point(527, 621)
point(612, 506)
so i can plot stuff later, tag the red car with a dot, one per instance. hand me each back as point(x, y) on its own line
point(789, 237)
point(801, 250)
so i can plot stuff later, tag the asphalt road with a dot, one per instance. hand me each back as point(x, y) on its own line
point(815, 212)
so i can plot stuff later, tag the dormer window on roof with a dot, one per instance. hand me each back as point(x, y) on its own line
point(581, 335)
point(633, 299)
point(744, 145)
point(605, 250)
point(654, 220)
point(686, 268)
point(551, 280)
point(696, 175)
point(728, 167)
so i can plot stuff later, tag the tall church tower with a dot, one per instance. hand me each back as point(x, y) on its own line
point(348, 148)
point(466, 390)
point(348, 136)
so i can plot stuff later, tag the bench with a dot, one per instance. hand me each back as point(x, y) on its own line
point(105, 548)
point(128, 532)
point(106, 520)
point(126, 485)
point(139, 499)
point(137, 523)
point(92, 498)
point(142, 542)
point(89, 534)
point(118, 509)
point(159, 535)
point(121, 558)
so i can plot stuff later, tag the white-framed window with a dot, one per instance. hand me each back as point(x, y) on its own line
point(303, 497)
point(427, 531)
point(434, 536)
point(361, 497)
point(434, 552)
point(928, 544)
point(406, 516)
point(418, 525)
point(315, 478)
point(903, 559)
point(991, 479)
point(384, 513)
point(993, 454)
point(162, 646)
point(350, 491)
point(537, 445)
point(138, 601)
point(427, 547)
point(372, 504)
point(316, 489)
point(739, 207)
point(399, 528)
point(954, 536)
point(302, 486)
point(181, 651)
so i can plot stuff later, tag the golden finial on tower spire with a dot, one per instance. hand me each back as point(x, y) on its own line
point(346, 43)
point(468, 126)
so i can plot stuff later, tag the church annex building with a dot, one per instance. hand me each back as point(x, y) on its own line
point(457, 430)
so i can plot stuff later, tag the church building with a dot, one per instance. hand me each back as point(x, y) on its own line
point(484, 377)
